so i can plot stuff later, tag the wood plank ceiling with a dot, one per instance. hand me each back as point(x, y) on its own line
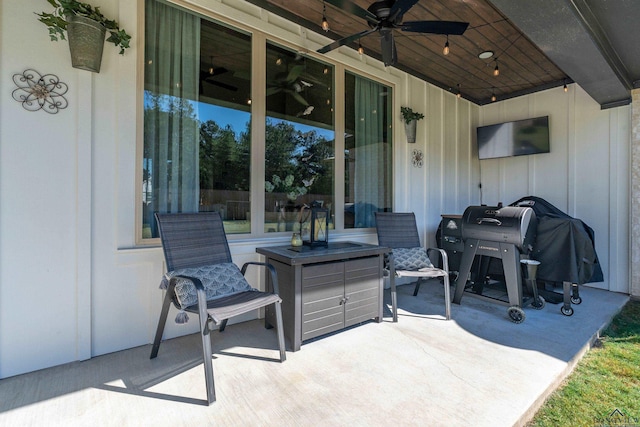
point(524, 68)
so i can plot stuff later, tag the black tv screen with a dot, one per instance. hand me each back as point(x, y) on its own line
point(518, 138)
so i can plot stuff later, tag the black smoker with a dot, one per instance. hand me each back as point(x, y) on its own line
point(507, 233)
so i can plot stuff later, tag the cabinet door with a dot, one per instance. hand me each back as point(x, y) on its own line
point(362, 290)
point(322, 299)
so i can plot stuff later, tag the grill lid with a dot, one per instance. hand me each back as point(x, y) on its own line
point(510, 224)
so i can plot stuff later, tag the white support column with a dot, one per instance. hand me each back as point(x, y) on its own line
point(84, 183)
point(634, 250)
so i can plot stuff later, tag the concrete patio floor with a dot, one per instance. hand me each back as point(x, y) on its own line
point(479, 369)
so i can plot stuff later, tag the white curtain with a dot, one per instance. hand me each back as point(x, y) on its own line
point(370, 173)
point(172, 64)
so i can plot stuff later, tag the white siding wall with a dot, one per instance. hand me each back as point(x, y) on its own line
point(72, 283)
point(44, 212)
point(586, 174)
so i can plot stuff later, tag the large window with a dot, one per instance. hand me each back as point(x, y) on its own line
point(199, 151)
point(197, 136)
point(299, 140)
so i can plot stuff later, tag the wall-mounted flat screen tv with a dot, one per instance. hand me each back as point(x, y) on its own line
point(518, 138)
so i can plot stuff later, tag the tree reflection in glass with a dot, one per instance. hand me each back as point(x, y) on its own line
point(299, 139)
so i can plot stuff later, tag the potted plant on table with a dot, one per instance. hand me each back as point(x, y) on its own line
point(85, 26)
point(410, 118)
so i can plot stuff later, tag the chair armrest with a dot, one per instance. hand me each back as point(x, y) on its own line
point(443, 255)
point(272, 270)
point(391, 263)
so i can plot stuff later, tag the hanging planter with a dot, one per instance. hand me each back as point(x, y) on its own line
point(86, 42)
point(410, 119)
point(410, 130)
point(85, 26)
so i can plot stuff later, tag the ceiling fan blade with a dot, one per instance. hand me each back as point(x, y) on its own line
point(294, 73)
point(436, 27)
point(346, 40)
point(388, 47)
point(298, 98)
point(273, 90)
point(223, 85)
point(399, 8)
point(354, 9)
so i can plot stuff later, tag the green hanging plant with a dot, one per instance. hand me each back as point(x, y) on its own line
point(409, 115)
point(57, 23)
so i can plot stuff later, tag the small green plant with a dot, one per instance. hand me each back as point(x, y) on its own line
point(408, 114)
point(57, 23)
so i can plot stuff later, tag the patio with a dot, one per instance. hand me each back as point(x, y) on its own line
point(477, 369)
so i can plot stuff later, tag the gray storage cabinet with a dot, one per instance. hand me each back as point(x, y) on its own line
point(324, 290)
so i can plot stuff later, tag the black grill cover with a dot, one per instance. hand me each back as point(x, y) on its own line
point(509, 224)
point(565, 246)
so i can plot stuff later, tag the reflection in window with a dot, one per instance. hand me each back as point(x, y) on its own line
point(368, 167)
point(196, 118)
point(299, 140)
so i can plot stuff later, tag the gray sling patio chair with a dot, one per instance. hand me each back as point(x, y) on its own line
point(203, 279)
point(407, 258)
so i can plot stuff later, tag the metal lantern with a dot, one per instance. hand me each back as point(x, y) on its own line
point(314, 225)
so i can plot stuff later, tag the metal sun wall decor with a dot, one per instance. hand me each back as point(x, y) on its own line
point(417, 158)
point(40, 92)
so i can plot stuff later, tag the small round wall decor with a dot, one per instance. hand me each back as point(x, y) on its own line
point(40, 92)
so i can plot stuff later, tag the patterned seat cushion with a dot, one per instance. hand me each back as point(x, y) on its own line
point(412, 259)
point(218, 280)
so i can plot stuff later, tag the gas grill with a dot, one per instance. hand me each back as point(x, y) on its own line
point(506, 233)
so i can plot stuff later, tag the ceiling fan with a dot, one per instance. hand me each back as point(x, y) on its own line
point(293, 84)
point(290, 83)
point(383, 17)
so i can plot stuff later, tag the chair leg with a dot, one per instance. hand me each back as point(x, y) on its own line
point(164, 312)
point(208, 364)
point(203, 316)
point(394, 296)
point(280, 331)
point(418, 283)
point(447, 298)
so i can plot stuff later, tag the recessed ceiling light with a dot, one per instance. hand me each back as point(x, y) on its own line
point(485, 55)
